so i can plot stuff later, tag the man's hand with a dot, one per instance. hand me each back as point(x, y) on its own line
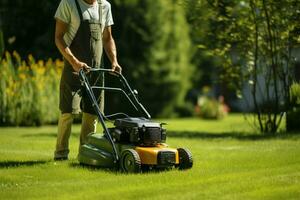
point(80, 65)
point(116, 67)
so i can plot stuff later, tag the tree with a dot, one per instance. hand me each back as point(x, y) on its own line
point(275, 36)
point(154, 48)
point(28, 27)
point(254, 41)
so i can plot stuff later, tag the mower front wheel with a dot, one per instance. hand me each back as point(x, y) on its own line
point(130, 161)
point(185, 159)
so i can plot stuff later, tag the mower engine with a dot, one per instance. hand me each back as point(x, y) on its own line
point(138, 131)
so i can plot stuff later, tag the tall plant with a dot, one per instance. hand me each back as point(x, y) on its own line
point(28, 91)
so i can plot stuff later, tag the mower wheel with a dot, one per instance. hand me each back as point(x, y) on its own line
point(130, 161)
point(185, 159)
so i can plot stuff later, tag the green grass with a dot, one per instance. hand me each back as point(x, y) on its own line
point(232, 161)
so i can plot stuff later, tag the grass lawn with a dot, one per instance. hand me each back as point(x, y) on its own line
point(231, 161)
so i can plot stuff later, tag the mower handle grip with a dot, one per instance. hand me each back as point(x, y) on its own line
point(106, 71)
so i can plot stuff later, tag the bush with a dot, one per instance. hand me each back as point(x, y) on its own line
point(208, 107)
point(295, 94)
point(28, 90)
point(293, 114)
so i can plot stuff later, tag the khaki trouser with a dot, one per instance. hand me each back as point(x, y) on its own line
point(89, 123)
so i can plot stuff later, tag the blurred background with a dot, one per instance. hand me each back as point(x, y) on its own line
point(187, 58)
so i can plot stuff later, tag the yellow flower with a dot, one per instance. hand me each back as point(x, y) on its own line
point(41, 63)
point(17, 57)
point(31, 59)
point(40, 70)
point(22, 76)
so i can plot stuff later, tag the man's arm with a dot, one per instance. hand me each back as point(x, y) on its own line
point(110, 49)
point(60, 30)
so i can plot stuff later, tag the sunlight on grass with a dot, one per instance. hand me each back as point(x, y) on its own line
point(232, 123)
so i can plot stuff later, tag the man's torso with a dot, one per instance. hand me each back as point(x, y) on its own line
point(67, 12)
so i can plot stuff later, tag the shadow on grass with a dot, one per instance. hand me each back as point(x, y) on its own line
point(231, 135)
point(117, 170)
point(203, 135)
point(93, 168)
point(13, 164)
point(44, 135)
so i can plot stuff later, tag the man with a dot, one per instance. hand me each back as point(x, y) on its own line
point(83, 28)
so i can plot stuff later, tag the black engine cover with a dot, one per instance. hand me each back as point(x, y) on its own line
point(139, 131)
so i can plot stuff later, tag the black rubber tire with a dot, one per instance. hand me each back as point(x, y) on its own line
point(185, 159)
point(130, 161)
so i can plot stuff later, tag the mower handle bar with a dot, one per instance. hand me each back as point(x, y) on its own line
point(133, 101)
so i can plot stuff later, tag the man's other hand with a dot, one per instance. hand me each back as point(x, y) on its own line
point(116, 67)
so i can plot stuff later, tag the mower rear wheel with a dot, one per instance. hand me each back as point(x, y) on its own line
point(185, 159)
point(130, 161)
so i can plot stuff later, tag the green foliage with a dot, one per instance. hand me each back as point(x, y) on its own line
point(295, 94)
point(28, 91)
point(253, 42)
point(198, 17)
point(155, 48)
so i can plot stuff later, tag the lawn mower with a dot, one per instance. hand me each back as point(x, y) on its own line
point(134, 143)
